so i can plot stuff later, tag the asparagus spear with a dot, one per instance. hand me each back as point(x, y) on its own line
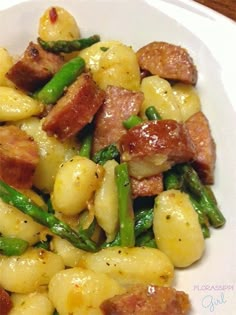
point(115, 242)
point(66, 46)
point(204, 198)
point(67, 74)
point(86, 145)
point(132, 121)
point(172, 180)
point(125, 207)
point(86, 140)
point(110, 152)
point(11, 246)
point(143, 221)
point(18, 200)
point(202, 217)
point(146, 239)
point(152, 113)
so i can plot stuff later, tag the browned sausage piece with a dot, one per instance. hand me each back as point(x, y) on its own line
point(18, 157)
point(119, 105)
point(5, 302)
point(205, 158)
point(35, 68)
point(154, 146)
point(75, 109)
point(146, 187)
point(169, 61)
point(148, 300)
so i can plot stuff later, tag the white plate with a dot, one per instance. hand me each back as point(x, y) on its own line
point(209, 37)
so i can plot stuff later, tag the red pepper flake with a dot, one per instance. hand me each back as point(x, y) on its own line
point(53, 15)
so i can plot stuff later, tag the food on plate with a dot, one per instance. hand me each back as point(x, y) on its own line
point(168, 61)
point(34, 69)
point(205, 158)
point(5, 302)
point(18, 156)
point(106, 162)
point(142, 300)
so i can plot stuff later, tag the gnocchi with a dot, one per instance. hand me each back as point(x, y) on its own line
point(52, 153)
point(158, 93)
point(131, 265)
point(75, 183)
point(57, 23)
point(26, 273)
point(6, 64)
point(70, 255)
point(10, 98)
point(17, 224)
point(35, 303)
point(106, 202)
point(82, 291)
point(187, 99)
point(113, 63)
point(176, 227)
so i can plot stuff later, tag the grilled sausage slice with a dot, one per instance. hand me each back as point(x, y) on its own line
point(151, 300)
point(154, 146)
point(75, 109)
point(18, 157)
point(35, 68)
point(119, 105)
point(5, 302)
point(205, 157)
point(146, 187)
point(169, 61)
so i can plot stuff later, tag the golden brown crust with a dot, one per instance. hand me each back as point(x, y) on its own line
point(169, 61)
point(205, 157)
point(148, 300)
point(35, 68)
point(119, 105)
point(167, 137)
point(146, 187)
point(18, 157)
point(75, 109)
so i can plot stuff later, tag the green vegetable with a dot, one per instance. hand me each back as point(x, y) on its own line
point(202, 195)
point(50, 207)
point(172, 180)
point(110, 152)
point(202, 217)
point(132, 121)
point(24, 204)
point(44, 244)
point(86, 146)
point(68, 46)
point(125, 207)
point(143, 221)
point(55, 88)
point(152, 113)
point(11, 246)
point(115, 242)
point(89, 231)
point(146, 239)
point(86, 140)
